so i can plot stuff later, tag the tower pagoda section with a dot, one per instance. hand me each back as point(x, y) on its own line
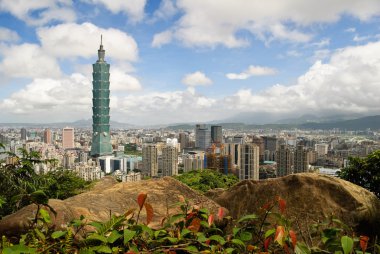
point(101, 140)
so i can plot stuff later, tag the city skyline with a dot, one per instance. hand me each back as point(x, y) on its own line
point(190, 61)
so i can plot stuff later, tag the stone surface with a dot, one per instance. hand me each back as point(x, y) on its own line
point(110, 197)
point(309, 198)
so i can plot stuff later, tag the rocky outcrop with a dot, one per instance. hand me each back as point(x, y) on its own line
point(309, 198)
point(110, 197)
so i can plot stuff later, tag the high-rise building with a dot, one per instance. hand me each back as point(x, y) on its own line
point(216, 134)
point(150, 160)
point(23, 134)
point(68, 138)
point(101, 140)
point(169, 161)
point(301, 163)
point(47, 136)
point(202, 137)
point(270, 145)
point(260, 143)
point(249, 157)
point(321, 149)
point(284, 160)
point(234, 151)
point(183, 140)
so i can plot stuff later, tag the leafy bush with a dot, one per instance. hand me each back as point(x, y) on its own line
point(193, 230)
point(204, 180)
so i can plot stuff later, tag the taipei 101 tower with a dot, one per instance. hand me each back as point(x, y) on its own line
point(101, 140)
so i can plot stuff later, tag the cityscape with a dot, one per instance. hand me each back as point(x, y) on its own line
point(125, 97)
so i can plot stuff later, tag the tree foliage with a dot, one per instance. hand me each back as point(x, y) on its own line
point(364, 172)
point(18, 181)
point(204, 180)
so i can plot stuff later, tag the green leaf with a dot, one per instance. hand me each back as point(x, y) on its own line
point(235, 231)
point(95, 224)
point(39, 197)
point(40, 235)
point(128, 235)
point(97, 237)
point(217, 238)
point(18, 249)
point(147, 229)
point(245, 236)
point(301, 248)
point(201, 237)
point(58, 234)
point(45, 215)
point(269, 233)
point(104, 249)
point(238, 242)
point(113, 236)
point(248, 217)
point(192, 249)
point(229, 250)
point(347, 244)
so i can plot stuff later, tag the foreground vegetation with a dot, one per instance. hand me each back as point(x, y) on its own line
point(205, 180)
point(193, 230)
point(19, 183)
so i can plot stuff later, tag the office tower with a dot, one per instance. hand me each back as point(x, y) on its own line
point(321, 149)
point(216, 134)
point(23, 134)
point(284, 161)
point(101, 140)
point(150, 160)
point(260, 143)
point(193, 161)
point(183, 140)
point(271, 145)
point(301, 163)
point(169, 161)
point(249, 157)
point(68, 138)
point(202, 137)
point(47, 136)
point(234, 151)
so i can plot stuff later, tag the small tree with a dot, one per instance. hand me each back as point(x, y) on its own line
point(364, 172)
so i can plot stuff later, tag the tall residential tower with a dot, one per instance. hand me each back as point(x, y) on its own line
point(101, 140)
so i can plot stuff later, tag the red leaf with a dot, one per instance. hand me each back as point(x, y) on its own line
point(208, 241)
point(195, 225)
point(141, 199)
point(149, 213)
point(364, 242)
point(220, 213)
point(293, 237)
point(281, 204)
point(280, 235)
point(286, 248)
point(266, 206)
point(210, 219)
point(266, 243)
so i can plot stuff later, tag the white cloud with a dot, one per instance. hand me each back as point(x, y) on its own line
point(252, 71)
point(133, 8)
point(293, 53)
point(28, 61)
point(348, 83)
point(8, 35)
point(162, 38)
point(212, 23)
point(322, 43)
point(320, 54)
point(166, 10)
point(196, 79)
point(358, 38)
point(350, 30)
point(121, 81)
point(48, 10)
point(82, 40)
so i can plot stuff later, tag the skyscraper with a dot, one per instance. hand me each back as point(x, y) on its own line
point(23, 134)
point(249, 162)
point(202, 137)
point(68, 138)
point(216, 134)
point(150, 160)
point(101, 140)
point(169, 161)
point(47, 136)
point(301, 163)
point(284, 161)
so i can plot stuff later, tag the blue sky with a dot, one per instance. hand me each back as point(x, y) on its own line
point(175, 61)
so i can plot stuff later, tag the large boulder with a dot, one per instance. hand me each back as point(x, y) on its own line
point(110, 197)
point(309, 197)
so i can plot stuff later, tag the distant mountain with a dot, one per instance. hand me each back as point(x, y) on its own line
point(364, 123)
point(309, 118)
point(77, 124)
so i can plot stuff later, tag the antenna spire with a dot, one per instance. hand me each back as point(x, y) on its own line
point(101, 39)
point(101, 51)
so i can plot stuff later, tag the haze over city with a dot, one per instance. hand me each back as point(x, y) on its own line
point(190, 61)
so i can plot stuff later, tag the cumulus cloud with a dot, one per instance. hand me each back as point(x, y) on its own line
point(122, 81)
point(213, 23)
point(8, 35)
point(133, 8)
point(252, 71)
point(162, 38)
point(48, 10)
point(196, 79)
point(166, 10)
point(28, 61)
point(81, 40)
point(348, 83)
